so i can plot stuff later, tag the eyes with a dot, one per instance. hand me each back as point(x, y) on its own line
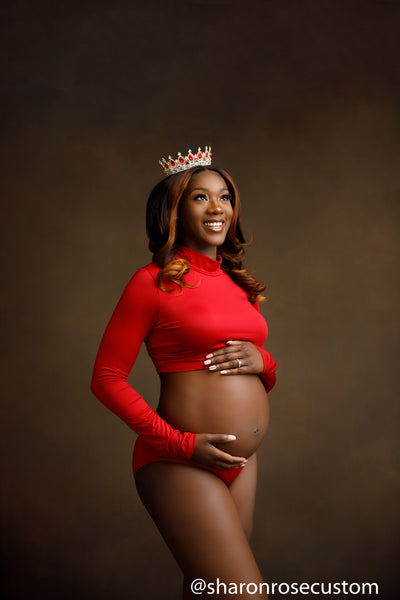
point(203, 197)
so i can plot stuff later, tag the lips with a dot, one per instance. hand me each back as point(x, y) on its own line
point(214, 225)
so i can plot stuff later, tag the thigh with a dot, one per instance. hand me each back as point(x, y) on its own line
point(198, 518)
point(243, 491)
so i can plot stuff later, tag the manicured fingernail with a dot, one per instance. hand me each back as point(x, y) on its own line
point(229, 341)
point(207, 362)
point(209, 355)
point(222, 372)
point(230, 437)
point(212, 367)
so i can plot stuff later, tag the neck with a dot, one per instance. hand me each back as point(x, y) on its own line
point(210, 251)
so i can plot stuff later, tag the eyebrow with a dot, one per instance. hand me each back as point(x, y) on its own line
point(206, 190)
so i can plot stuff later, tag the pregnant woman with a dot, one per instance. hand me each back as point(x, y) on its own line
point(196, 309)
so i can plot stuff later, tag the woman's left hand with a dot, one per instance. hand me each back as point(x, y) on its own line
point(238, 358)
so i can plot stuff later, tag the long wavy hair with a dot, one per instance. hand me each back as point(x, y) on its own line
point(165, 235)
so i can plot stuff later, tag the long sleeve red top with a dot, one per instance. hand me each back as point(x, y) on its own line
point(179, 328)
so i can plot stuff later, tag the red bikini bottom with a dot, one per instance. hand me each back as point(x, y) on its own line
point(144, 453)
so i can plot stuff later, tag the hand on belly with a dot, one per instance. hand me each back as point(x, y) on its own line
point(207, 452)
point(248, 439)
point(238, 357)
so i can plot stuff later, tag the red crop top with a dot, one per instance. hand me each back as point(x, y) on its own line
point(179, 329)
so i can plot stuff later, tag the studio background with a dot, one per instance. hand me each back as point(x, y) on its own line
point(300, 103)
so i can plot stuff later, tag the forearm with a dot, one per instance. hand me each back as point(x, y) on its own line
point(112, 389)
point(268, 374)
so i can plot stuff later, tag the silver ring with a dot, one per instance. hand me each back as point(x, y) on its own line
point(239, 362)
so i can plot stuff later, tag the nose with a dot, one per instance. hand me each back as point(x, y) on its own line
point(215, 206)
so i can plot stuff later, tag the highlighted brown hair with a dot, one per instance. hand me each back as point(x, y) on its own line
point(164, 234)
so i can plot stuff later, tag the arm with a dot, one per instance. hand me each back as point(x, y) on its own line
point(130, 323)
point(267, 375)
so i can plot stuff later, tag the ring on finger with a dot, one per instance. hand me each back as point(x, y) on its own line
point(239, 362)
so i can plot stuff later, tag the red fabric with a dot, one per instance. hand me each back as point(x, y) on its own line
point(144, 454)
point(268, 375)
point(179, 329)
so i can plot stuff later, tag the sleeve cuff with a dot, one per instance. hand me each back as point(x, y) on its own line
point(187, 446)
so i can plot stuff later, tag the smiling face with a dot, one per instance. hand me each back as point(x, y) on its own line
point(205, 212)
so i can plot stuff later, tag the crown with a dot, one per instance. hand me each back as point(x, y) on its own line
point(181, 163)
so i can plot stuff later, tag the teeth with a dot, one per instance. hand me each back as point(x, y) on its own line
point(213, 223)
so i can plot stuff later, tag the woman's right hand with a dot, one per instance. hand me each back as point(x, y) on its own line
point(206, 453)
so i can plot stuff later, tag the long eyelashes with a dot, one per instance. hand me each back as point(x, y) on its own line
point(203, 197)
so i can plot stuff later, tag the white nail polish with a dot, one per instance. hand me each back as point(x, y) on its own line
point(223, 372)
point(209, 355)
point(207, 362)
point(212, 368)
point(230, 437)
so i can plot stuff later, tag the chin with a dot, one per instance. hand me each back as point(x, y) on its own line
point(216, 242)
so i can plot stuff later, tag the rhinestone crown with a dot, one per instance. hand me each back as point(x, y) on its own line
point(181, 163)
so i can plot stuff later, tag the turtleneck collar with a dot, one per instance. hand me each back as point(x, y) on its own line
point(200, 262)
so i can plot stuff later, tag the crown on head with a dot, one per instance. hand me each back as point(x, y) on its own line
point(181, 163)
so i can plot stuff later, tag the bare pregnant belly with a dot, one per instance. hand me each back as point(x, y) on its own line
point(205, 402)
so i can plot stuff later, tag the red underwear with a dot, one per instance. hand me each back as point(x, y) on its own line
point(144, 453)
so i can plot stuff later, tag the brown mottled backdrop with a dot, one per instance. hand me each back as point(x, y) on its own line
point(300, 102)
